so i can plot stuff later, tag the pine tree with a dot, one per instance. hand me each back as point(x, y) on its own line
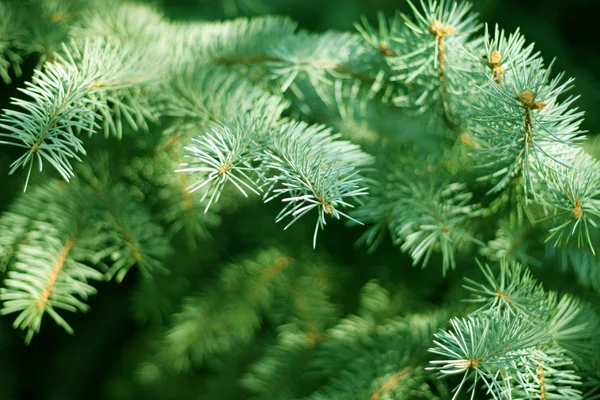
point(163, 153)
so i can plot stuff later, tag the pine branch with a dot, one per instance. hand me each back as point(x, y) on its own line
point(520, 343)
point(227, 153)
point(131, 237)
point(66, 97)
point(63, 235)
point(526, 131)
point(573, 196)
point(49, 271)
point(305, 165)
point(430, 59)
point(514, 290)
point(311, 170)
point(210, 323)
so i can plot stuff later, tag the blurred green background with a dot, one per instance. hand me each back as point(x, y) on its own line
point(97, 362)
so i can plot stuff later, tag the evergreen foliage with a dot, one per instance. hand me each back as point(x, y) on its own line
point(144, 142)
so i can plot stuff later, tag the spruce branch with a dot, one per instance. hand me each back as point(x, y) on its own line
point(430, 59)
point(226, 153)
point(68, 96)
point(514, 289)
point(492, 351)
point(430, 220)
point(573, 195)
point(312, 170)
point(524, 127)
point(17, 221)
point(49, 271)
point(210, 323)
point(59, 287)
point(304, 165)
point(66, 235)
point(46, 130)
point(521, 342)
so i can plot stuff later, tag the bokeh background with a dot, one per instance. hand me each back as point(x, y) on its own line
point(98, 362)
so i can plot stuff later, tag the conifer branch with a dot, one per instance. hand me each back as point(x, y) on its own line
point(56, 251)
point(66, 97)
point(519, 342)
point(202, 329)
point(443, 113)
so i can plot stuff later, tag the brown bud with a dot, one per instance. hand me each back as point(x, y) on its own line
point(527, 97)
point(495, 57)
point(223, 169)
point(383, 48)
point(436, 28)
point(577, 211)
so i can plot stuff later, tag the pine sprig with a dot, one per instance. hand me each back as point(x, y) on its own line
point(429, 61)
point(521, 342)
point(311, 173)
point(429, 220)
point(514, 289)
point(49, 271)
point(67, 237)
point(68, 96)
point(524, 127)
point(205, 327)
point(573, 194)
point(226, 153)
